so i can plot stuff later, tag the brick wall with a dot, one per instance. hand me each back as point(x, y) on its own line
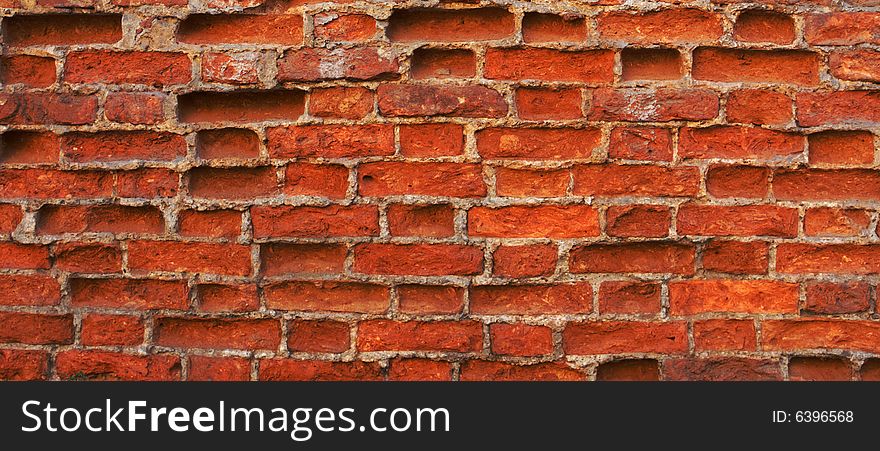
point(239, 189)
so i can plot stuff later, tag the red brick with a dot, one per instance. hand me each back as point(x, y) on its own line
point(855, 65)
point(135, 107)
point(790, 335)
point(116, 219)
point(26, 147)
point(442, 63)
point(10, 216)
point(538, 143)
point(635, 180)
point(431, 140)
point(418, 259)
point(870, 370)
point(331, 221)
point(331, 141)
point(427, 179)
point(227, 143)
point(836, 298)
point(147, 183)
point(88, 257)
point(531, 299)
point(587, 66)
point(838, 108)
point(538, 260)
point(318, 370)
point(637, 220)
point(462, 25)
point(538, 27)
point(721, 369)
point(100, 365)
point(240, 68)
point(724, 335)
point(521, 339)
point(827, 221)
point(736, 257)
point(428, 299)
point(739, 143)
point(343, 102)
point(842, 28)
point(421, 220)
point(21, 365)
point(627, 297)
point(653, 105)
point(619, 337)
point(668, 26)
point(387, 335)
point(24, 256)
point(629, 370)
point(819, 369)
point(344, 27)
point(210, 223)
point(144, 68)
point(799, 258)
point(440, 100)
point(759, 106)
point(46, 108)
point(545, 221)
point(36, 290)
point(32, 71)
point(122, 146)
point(137, 294)
point(246, 333)
point(319, 336)
point(419, 370)
point(24, 30)
point(543, 104)
point(305, 179)
point(480, 370)
point(218, 369)
point(327, 296)
point(692, 297)
point(841, 147)
point(240, 106)
point(228, 298)
point(283, 258)
point(756, 66)
point(738, 181)
point(233, 183)
point(531, 182)
point(764, 27)
point(212, 258)
point(35, 328)
point(648, 257)
point(641, 143)
point(744, 220)
point(240, 29)
point(651, 64)
point(112, 330)
point(818, 184)
point(358, 63)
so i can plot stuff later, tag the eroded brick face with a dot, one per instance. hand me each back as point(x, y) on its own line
point(402, 190)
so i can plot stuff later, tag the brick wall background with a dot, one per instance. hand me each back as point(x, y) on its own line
point(267, 190)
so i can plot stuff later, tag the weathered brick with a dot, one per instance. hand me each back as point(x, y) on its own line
point(356, 220)
point(732, 296)
point(531, 299)
point(418, 259)
point(550, 221)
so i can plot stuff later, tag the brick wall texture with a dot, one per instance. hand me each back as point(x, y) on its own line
point(435, 190)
